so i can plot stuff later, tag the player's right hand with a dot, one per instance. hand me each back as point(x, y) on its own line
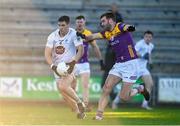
point(54, 68)
point(146, 56)
point(81, 35)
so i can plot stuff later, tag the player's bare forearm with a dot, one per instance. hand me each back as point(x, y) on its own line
point(80, 52)
point(89, 38)
point(96, 50)
point(93, 37)
point(48, 55)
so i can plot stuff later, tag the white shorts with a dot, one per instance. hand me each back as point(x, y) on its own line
point(127, 71)
point(143, 71)
point(82, 68)
point(143, 67)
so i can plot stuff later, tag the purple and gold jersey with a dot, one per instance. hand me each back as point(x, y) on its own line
point(84, 58)
point(121, 42)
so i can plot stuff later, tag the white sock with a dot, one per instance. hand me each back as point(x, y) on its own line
point(117, 99)
point(145, 103)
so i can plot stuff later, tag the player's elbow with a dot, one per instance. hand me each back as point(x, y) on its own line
point(47, 55)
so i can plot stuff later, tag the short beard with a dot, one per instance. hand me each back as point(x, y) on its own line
point(107, 27)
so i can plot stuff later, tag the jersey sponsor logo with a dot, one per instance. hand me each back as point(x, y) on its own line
point(114, 42)
point(112, 38)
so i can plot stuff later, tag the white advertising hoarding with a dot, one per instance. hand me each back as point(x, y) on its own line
point(169, 90)
point(11, 87)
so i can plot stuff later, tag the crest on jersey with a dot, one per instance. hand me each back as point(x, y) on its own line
point(112, 38)
point(60, 49)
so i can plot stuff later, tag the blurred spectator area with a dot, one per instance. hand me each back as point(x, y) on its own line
point(25, 25)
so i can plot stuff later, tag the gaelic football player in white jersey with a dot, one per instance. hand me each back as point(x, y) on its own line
point(144, 48)
point(63, 45)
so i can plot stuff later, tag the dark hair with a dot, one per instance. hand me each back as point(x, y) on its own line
point(80, 17)
point(148, 32)
point(109, 15)
point(64, 18)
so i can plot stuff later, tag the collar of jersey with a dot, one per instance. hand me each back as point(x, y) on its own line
point(62, 38)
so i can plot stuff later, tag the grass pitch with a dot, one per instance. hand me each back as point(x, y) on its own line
point(58, 114)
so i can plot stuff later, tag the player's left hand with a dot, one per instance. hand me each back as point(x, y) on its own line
point(131, 28)
point(71, 66)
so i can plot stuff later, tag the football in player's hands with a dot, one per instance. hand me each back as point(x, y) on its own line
point(54, 68)
point(131, 28)
point(81, 35)
point(62, 68)
point(71, 66)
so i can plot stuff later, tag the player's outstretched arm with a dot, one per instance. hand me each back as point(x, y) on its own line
point(93, 36)
point(89, 37)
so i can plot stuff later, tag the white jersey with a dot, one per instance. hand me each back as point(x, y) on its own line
point(66, 45)
point(142, 48)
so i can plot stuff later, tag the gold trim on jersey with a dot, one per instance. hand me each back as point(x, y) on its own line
point(109, 34)
point(86, 32)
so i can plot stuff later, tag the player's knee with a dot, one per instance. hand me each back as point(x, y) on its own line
point(106, 90)
point(61, 87)
point(73, 87)
point(124, 97)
